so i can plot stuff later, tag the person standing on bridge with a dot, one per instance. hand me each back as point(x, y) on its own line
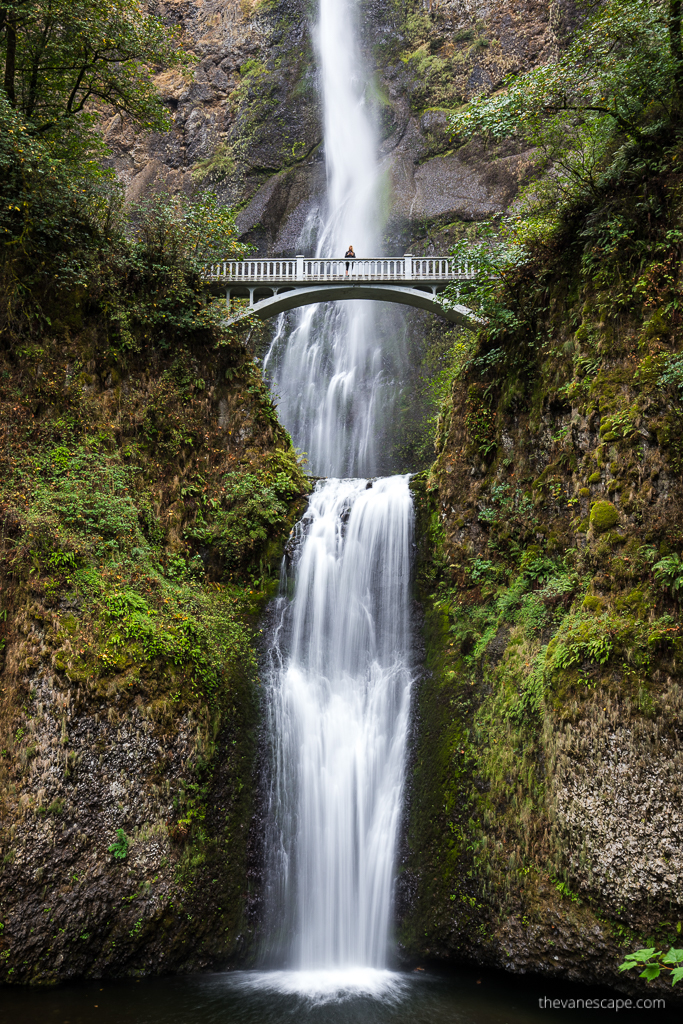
point(349, 255)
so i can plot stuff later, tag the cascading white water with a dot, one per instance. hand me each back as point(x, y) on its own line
point(332, 377)
point(340, 654)
point(339, 698)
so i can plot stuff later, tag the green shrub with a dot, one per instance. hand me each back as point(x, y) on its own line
point(654, 961)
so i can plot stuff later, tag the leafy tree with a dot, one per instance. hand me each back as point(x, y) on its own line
point(150, 281)
point(616, 89)
point(494, 259)
point(67, 62)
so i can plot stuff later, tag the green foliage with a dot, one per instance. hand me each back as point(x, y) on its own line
point(56, 807)
point(580, 640)
point(654, 961)
point(433, 80)
point(512, 508)
point(120, 845)
point(673, 373)
point(151, 285)
point(62, 219)
point(124, 603)
point(565, 892)
point(68, 63)
point(482, 569)
point(62, 560)
point(668, 572)
point(252, 508)
point(619, 425)
point(494, 259)
point(619, 81)
point(216, 167)
point(50, 211)
point(88, 521)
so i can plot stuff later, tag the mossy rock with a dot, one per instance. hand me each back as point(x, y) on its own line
point(585, 491)
point(595, 478)
point(603, 516)
point(592, 604)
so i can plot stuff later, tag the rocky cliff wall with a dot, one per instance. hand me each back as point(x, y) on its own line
point(545, 830)
point(144, 499)
point(247, 121)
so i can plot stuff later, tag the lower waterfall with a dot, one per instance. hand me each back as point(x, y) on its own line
point(338, 699)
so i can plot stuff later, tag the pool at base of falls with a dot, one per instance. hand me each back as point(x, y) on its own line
point(352, 996)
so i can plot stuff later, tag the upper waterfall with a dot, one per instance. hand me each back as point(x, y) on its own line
point(331, 370)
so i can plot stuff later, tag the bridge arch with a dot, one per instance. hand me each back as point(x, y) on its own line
point(283, 299)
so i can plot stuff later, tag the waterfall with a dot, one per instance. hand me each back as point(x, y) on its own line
point(339, 674)
point(333, 376)
point(338, 701)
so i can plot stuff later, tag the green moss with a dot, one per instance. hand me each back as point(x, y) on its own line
point(634, 602)
point(603, 516)
point(584, 492)
point(592, 603)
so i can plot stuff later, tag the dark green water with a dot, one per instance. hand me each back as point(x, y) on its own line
point(258, 998)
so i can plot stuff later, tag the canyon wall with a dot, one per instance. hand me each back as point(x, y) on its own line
point(545, 830)
point(247, 120)
point(145, 498)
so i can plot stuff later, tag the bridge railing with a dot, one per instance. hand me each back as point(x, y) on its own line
point(302, 268)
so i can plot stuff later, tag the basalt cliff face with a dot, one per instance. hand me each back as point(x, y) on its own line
point(247, 120)
point(144, 500)
point(545, 830)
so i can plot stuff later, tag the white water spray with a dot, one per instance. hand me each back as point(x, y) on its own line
point(340, 655)
point(339, 700)
point(333, 379)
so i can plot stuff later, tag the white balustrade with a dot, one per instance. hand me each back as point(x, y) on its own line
point(302, 269)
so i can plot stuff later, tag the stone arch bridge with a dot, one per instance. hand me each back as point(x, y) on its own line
point(274, 286)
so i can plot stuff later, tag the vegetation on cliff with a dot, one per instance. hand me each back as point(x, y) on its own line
point(545, 817)
point(146, 489)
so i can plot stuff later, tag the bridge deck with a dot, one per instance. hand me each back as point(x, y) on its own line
point(302, 270)
point(274, 286)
